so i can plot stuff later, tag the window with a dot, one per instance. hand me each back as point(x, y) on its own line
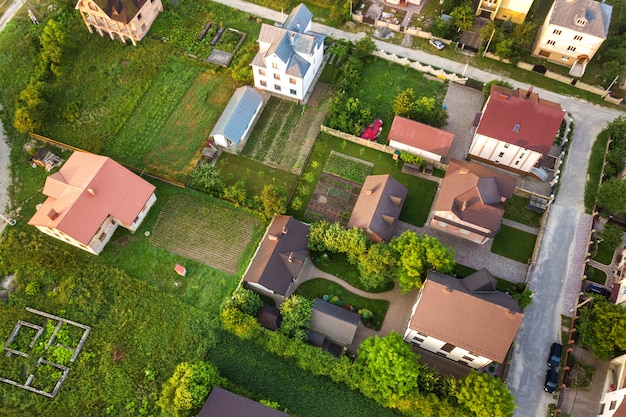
point(578, 38)
point(292, 92)
point(464, 232)
point(571, 48)
point(556, 32)
point(276, 87)
point(139, 16)
point(613, 405)
point(418, 339)
point(564, 58)
point(274, 65)
point(506, 145)
point(263, 83)
point(516, 127)
point(448, 347)
point(468, 358)
point(277, 77)
point(551, 42)
point(501, 155)
point(601, 408)
point(261, 72)
point(581, 22)
point(292, 81)
point(521, 155)
point(102, 237)
point(516, 162)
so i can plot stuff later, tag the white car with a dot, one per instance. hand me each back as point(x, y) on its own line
point(437, 44)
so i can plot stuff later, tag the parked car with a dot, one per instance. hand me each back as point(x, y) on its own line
point(598, 289)
point(551, 377)
point(554, 360)
point(437, 44)
point(372, 131)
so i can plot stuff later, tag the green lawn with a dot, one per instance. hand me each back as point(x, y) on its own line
point(596, 160)
point(604, 254)
point(595, 275)
point(514, 244)
point(515, 209)
point(421, 191)
point(339, 266)
point(318, 287)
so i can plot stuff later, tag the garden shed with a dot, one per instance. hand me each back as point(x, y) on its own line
point(419, 139)
point(237, 119)
point(332, 325)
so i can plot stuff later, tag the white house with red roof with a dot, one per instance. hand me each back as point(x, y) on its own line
point(289, 57)
point(88, 198)
point(516, 130)
point(419, 139)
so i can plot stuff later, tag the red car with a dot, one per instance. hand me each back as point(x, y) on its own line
point(372, 131)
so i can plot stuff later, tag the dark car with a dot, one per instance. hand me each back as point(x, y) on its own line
point(598, 289)
point(554, 360)
point(372, 131)
point(551, 377)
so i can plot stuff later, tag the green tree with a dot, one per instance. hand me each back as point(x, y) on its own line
point(404, 103)
point(377, 266)
point(389, 366)
point(52, 44)
point(353, 243)
point(445, 29)
point(245, 300)
point(363, 48)
point(611, 235)
point(296, 313)
point(416, 255)
point(611, 69)
point(486, 396)
point(463, 16)
point(501, 83)
point(273, 201)
point(236, 193)
point(31, 107)
point(612, 195)
point(207, 179)
point(603, 331)
point(504, 48)
point(347, 114)
point(429, 111)
point(185, 392)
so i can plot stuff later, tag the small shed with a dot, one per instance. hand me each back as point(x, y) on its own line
point(180, 270)
point(237, 118)
point(419, 139)
point(332, 325)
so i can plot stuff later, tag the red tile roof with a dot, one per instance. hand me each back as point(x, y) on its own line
point(88, 189)
point(520, 118)
point(420, 136)
point(482, 322)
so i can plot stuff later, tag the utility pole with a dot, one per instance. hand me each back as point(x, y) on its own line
point(489, 42)
point(606, 93)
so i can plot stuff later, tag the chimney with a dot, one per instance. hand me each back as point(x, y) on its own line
point(272, 236)
point(52, 214)
point(290, 259)
point(90, 191)
point(284, 231)
point(369, 191)
point(464, 205)
point(529, 92)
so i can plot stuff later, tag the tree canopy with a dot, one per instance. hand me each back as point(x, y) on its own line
point(486, 396)
point(603, 331)
point(377, 266)
point(296, 313)
point(612, 195)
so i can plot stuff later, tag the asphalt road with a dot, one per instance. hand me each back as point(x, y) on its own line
point(10, 12)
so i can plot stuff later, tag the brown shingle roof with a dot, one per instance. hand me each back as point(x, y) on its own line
point(121, 10)
point(223, 403)
point(420, 136)
point(280, 255)
point(88, 189)
point(482, 322)
point(378, 206)
point(337, 323)
point(528, 122)
point(474, 194)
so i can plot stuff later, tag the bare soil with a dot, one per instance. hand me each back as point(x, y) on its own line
point(333, 199)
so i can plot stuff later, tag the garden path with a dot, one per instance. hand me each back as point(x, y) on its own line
point(520, 226)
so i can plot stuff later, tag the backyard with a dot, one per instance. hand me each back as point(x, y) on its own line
point(514, 244)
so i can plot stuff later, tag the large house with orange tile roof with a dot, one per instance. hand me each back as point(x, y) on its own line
point(88, 198)
point(465, 320)
point(516, 130)
point(470, 203)
point(126, 20)
point(419, 139)
point(290, 56)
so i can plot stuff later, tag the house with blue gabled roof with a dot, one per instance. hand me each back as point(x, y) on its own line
point(237, 119)
point(290, 56)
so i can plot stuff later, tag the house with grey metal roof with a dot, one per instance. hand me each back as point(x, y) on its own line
point(237, 119)
point(290, 56)
point(573, 32)
point(223, 403)
point(332, 326)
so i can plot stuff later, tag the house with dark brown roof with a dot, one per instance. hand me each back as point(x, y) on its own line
point(223, 403)
point(378, 207)
point(332, 327)
point(470, 203)
point(126, 20)
point(88, 198)
point(419, 139)
point(279, 257)
point(516, 130)
point(464, 320)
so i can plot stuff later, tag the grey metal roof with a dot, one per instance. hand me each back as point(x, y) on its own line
point(336, 323)
point(298, 19)
point(297, 66)
point(238, 114)
point(597, 15)
point(282, 48)
point(223, 403)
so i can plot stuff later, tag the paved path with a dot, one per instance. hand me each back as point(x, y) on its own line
point(520, 226)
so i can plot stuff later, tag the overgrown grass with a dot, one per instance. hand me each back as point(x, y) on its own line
point(318, 287)
point(594, 171)
point(514, 244)
point(339, 266)
point(604, 253)
point(515, 209)
point(421, 191)
point(347, 167)
point(595, 275)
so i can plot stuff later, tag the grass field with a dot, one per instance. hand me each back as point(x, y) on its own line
point(515, 209)
point(421, 192)
point(596, 161)
point(339, 266)
point(604, 253)
point(514, 244)
point(318, 287)
point(595, 275)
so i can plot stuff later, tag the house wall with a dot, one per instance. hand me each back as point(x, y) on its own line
point(222, 141)
point(96, 19)
point(503, 154)
point(103, 235)
point(142, 214)
point(456, 230)
point(563, 46)
point(516, 10)
point(457, 354)
point(610, 402)
point(57, 234)
point(415, 151)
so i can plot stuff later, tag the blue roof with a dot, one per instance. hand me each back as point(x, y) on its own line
point(298, 19)
point(238, 114)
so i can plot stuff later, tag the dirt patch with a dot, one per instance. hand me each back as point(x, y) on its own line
point(333, 199)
